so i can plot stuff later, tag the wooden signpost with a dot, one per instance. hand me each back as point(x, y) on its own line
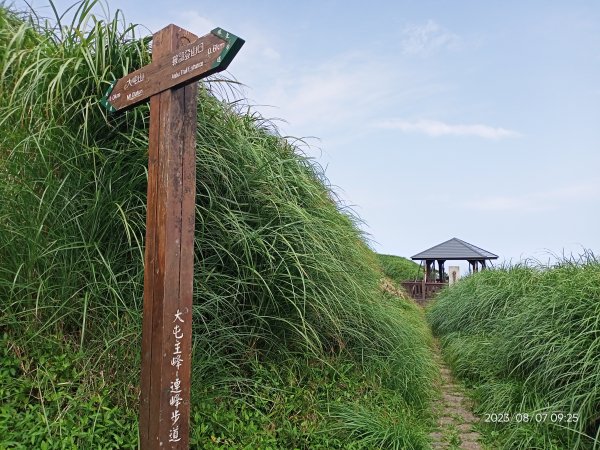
point(178, 59)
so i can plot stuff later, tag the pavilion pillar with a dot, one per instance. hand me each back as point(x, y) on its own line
point(441, 270)
point(429, 267)
point(423, 283)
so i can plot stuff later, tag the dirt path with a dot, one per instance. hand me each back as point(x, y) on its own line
point(455, 423)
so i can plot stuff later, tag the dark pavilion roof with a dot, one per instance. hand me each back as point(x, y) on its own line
point(455, 249)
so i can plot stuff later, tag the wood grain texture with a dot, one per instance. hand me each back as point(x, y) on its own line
point(194, 59)
point(168, 275)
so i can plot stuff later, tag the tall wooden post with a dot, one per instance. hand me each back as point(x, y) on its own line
point(179, 59)
point(169, 257)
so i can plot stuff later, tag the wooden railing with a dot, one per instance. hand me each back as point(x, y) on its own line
point(415, 289)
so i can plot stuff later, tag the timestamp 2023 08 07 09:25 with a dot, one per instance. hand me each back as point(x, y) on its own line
point(538, 417)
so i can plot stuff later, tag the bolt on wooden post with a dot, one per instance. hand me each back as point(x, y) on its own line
point(179, 58)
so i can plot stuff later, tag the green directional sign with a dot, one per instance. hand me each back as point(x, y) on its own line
point(208, 54)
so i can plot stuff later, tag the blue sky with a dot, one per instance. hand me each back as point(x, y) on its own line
point(434, 119)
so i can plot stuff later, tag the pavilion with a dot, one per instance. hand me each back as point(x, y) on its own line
point(451, 250)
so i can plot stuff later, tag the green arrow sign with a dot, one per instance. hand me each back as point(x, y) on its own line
point(209, 54)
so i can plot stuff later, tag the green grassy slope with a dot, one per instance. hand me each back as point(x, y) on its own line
point(528, 340)
point(295, 345)
point(400, 269)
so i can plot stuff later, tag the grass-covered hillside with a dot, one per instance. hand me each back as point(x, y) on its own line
point(528, 340)
point(400, 269)
point(295, 345)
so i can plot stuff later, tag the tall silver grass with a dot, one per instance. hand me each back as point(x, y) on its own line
point(281, 269)
point(528, 336)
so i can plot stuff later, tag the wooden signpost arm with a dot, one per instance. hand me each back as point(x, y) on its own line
point(197, 59)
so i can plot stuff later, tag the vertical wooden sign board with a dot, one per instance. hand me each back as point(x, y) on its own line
point(179, 58)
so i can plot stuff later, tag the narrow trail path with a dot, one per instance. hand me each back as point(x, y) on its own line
point(454, 410)
point(455, 423)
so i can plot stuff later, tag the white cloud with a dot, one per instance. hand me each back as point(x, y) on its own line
point(438, 128)
point(189, 20)
point(507, 204)
point(327, 94)
point(258, 46)
point(193, 21)
point(271, 53)
point(550, 200)
point(428, 38)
